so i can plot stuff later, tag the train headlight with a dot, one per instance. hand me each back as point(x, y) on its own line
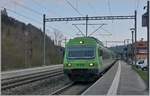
point(91, 64)
point(81, 42)
point(69, 64)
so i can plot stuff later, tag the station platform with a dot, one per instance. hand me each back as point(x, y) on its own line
point(121, 79)
point(27, 71)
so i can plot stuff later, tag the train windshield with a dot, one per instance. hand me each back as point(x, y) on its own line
point(81, 53)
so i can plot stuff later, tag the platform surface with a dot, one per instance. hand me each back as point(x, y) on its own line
point(21, 72)
point(121, 79)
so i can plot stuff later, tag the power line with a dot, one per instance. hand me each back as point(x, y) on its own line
point(137, 6)
point(79, 30)
point(21, 15)
point(106, 30)
point(30, 9)
point(97, 29)
point(17, 13)
point(73, 7)
point(25, 7)
point(35, 1)
point(88, 24)
point(91, 6)
point(76, 4)
point(105, 34)
point(109, 8)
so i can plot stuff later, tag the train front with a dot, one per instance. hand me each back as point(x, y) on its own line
point(80, 60)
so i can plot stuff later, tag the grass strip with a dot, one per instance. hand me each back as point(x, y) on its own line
point(143, 74)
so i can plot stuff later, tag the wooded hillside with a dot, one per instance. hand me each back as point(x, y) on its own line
point(22, 45)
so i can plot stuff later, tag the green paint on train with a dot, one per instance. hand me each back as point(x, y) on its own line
point(83, 59)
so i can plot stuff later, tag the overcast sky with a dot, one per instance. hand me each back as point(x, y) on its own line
point(30, 11)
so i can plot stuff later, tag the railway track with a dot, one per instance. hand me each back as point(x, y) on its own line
point(77, 88)
point(12, 82)
point(72, 89)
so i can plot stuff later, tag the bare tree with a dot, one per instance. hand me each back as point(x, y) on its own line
point(58, 37)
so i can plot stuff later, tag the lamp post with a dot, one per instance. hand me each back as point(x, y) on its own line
point(148, 41)
point(132, 46)
point(126, 49)
point(44, 61)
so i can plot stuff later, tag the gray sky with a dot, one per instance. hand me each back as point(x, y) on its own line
point(30, 11)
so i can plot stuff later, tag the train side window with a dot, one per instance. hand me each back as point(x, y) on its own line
point(100, 52)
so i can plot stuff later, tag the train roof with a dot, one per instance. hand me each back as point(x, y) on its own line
point(91, 39)
point(98, 41)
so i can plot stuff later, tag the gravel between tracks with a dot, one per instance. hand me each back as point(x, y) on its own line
point(75, 89)
point(42, 87)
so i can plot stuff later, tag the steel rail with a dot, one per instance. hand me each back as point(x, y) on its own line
point(17, 81)
point(30, 74)
point(64, 89)
point(71, 86)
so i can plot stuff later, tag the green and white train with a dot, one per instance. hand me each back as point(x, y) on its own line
point(86, 58)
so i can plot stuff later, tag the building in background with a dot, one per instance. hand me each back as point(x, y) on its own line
point(141, 49)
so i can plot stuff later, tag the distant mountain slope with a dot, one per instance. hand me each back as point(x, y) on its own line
point(22, 45)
